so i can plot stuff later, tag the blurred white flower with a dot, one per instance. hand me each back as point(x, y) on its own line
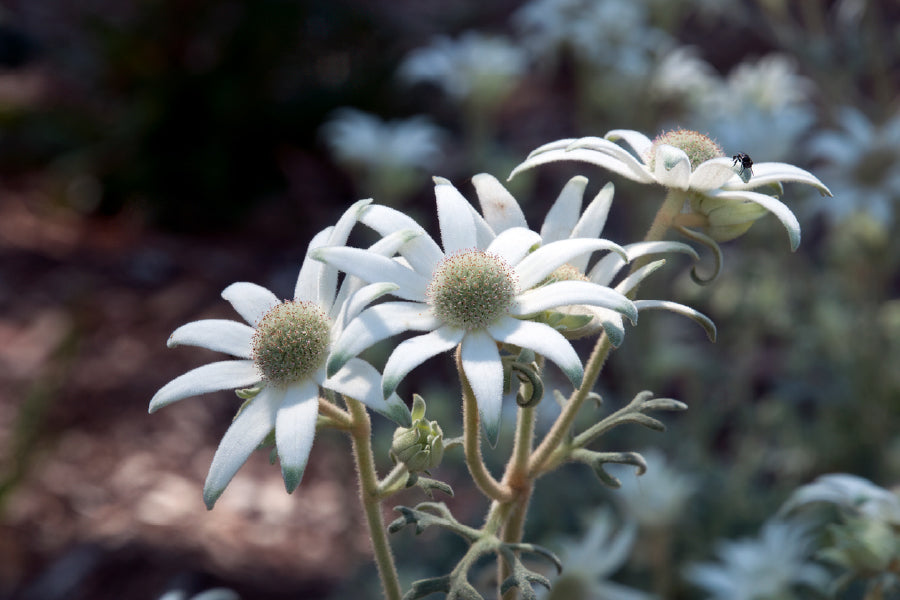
point(210, 594)
point(357, 138)
point(588, 562)
point(863, 162)
point(612, 33)
point(761, 108)
point(772, 565)
point(474, 67)
point(855, 494)
point(683, 74)
point(657, 498)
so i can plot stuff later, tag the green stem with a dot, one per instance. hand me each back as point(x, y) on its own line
point(564, 421)
point(393, 481)
point(361, 434)
point(489, 486)
point(665, 216)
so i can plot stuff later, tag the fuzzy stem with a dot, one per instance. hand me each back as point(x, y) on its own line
point(489, 486)
point(361, 434)
point(393, 481)
point(340, 418)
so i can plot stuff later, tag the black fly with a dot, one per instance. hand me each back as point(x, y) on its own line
point(746, 164)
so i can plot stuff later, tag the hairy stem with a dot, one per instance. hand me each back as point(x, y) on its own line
point(361, 434)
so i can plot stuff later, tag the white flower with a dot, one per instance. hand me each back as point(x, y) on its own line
point(359, 138)
point(565, 220)
point(474, 66)
point(770, 566)
point(863, 163)
point(614, 35)
point(589, 562)
point(689, 162)
point(478, 291)
point(660, 496)
point(850, 492)
point(282, 353)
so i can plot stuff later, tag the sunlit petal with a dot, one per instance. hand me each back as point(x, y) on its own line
point(251, 301)
point(514, 244)
point(361, 381)
point(223, 375)
point(423, 253)
point(377, 323)
point(484, 372)
point(535, 267)
point(413, 352)
point(220, 335)
point(373, 267)
point(295, 428)
point(498, 206)
point(246, 432)
point(544, 340)
point(563, 215)
point(454, 217)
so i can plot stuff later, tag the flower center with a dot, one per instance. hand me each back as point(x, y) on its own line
point(565, 272)
point(698, 147)
point(291, 342)
point(471, 289)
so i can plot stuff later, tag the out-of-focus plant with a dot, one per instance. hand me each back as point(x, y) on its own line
point(385, 157)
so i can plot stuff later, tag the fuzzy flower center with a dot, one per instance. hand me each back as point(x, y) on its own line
point(291, 342)
point(565, 272)
point(698, 147)
point(471, 289)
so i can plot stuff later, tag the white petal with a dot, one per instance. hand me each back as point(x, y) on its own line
point(555, 145)
point(639, 142)
point(712, 174)
point(374, 268)
point(563, 215)
point(484, 235)
point(307, 286)
point(633, 279)
point(513, 244)
point(414, 351)
point(351, 308)
point(386, 246)
point(635, 166)
point(484, 370)
point(361, 381)
point(681, 309)
point(377, 323)
point(544, 340)
point(572, 293)
point(672, 167)
point(632, 170)
point(223, 375)
point(535, 267)
point(776, 172)
point(220, 335)
point(777, 208)
point(498, 206)
point(247, 431)
point(612, 324)
point(454, 217)
point(608, 266)
point(329, 275)
point(295, 428)
point(592, 222)
point(423, 253)
point(251, 301)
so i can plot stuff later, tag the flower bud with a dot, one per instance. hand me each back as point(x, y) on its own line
point(421, 446)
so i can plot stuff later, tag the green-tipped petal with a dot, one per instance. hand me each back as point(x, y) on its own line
point(698, 317)
point(295, 428)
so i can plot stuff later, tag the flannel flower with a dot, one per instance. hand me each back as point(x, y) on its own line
point(281, 355)
point(717, 189)
point(477, 292)
point(564, 221)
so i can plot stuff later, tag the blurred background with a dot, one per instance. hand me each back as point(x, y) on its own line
point(154, 151)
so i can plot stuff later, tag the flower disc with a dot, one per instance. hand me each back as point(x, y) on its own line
point(698, 147)
point(471, 289)
point(291, 342)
